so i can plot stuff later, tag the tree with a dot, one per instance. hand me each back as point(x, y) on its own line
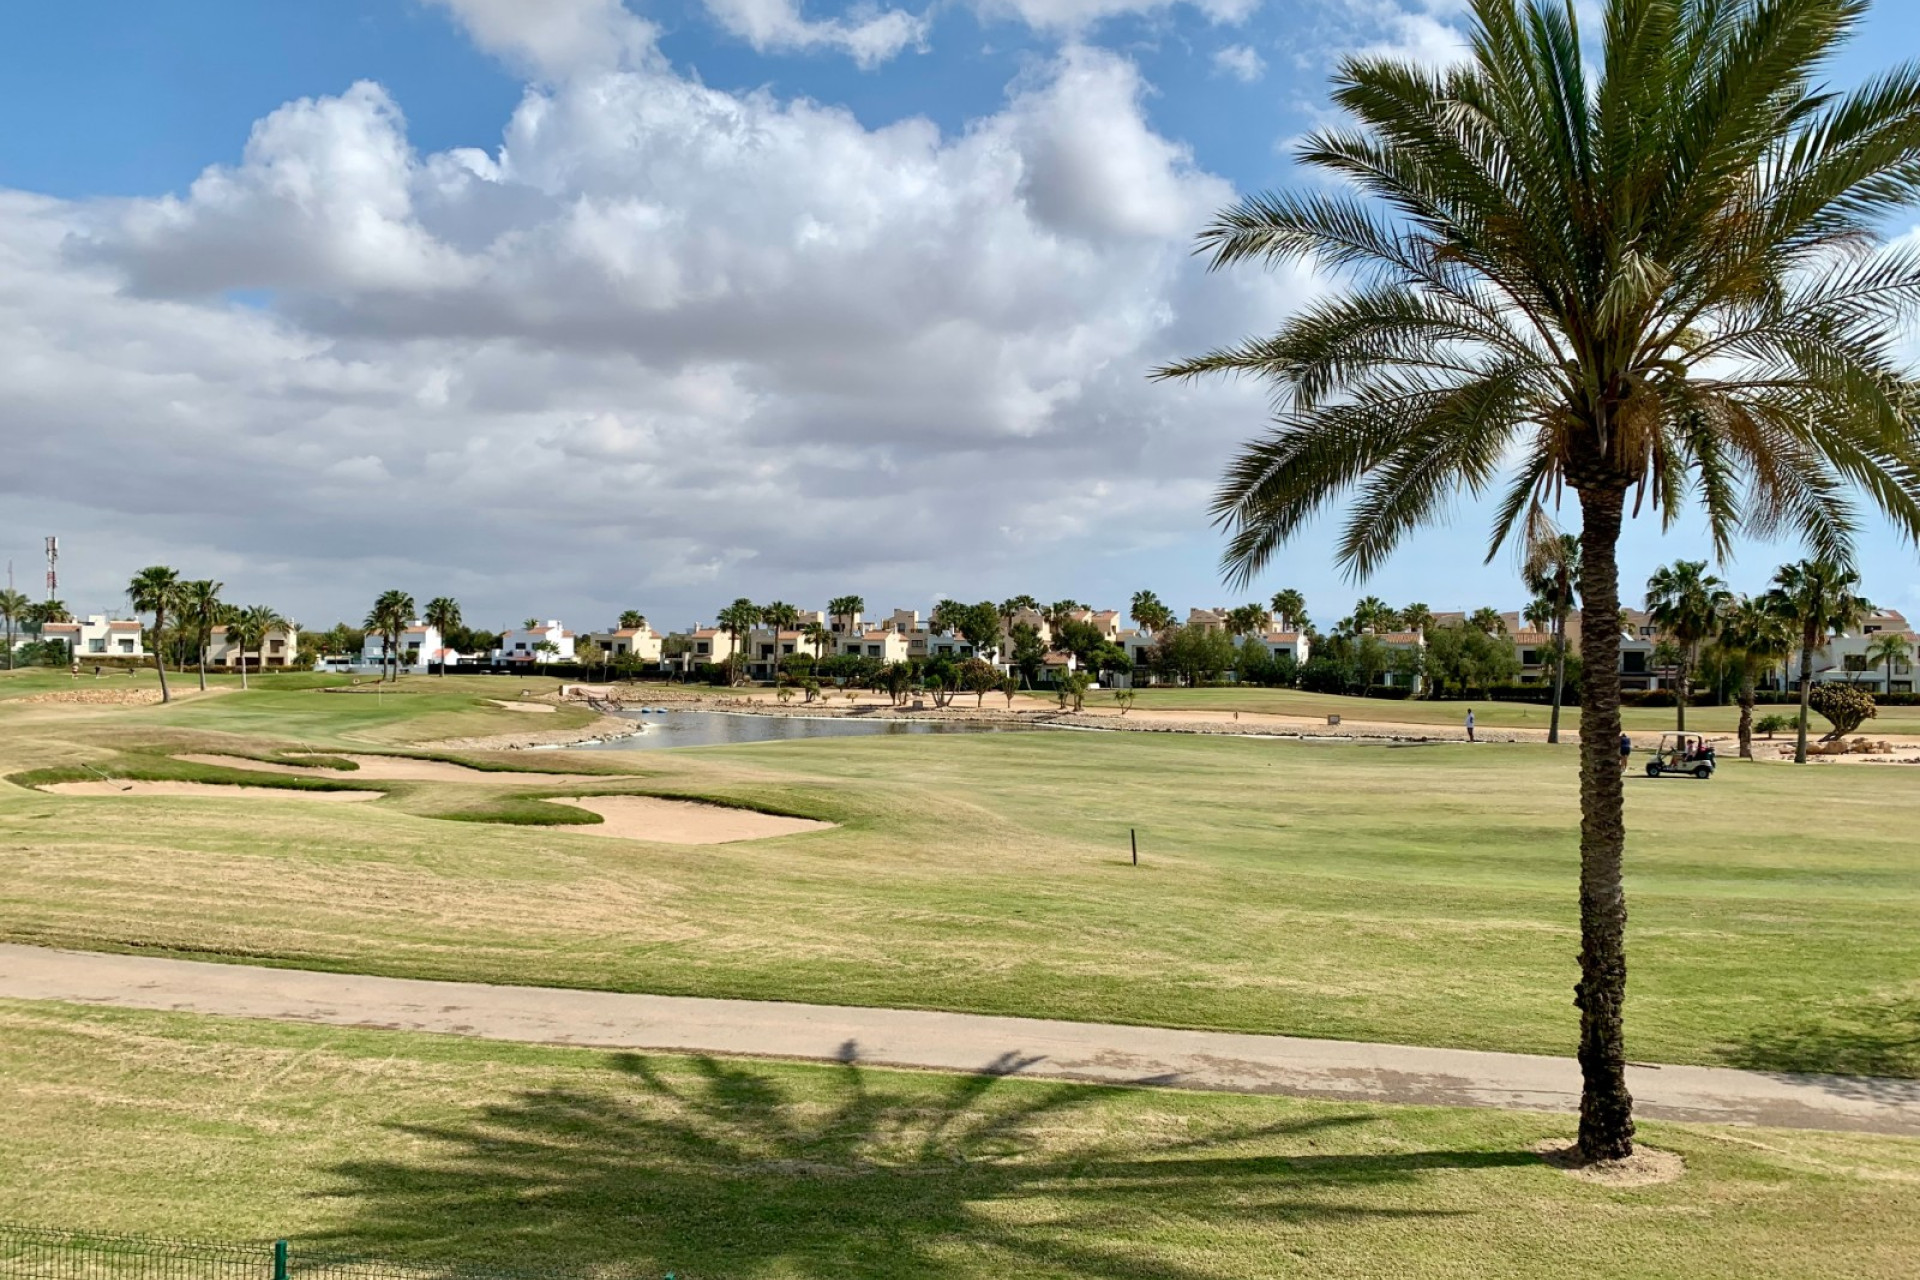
point(1487, 619)
point(1073, 690)
point(1684, 601)
point(1291, 607)
point(1057, 613)
point(979, 625)
point(389, 617)
point(13, 608)
point(1846, 707)
point(817, 635)
point(548, 651)
point(41, 612)
point(156, 590)
point(632, 619)
point(443, 615)
point(979, 678)
point(1889, 647)
point(738, 621)
point(945, 618)
point(1029, 652)
point(1009, 687)
point(845, 607)
point(1416, 617)
point(1819, 598)
point(1550, 568)
point(1756, 638)
point(1248, 620)
point(201, 610)
point(1149, 613)
point(1374, 614)
point(248, 629)
point(1655, 275)
point(781, 616)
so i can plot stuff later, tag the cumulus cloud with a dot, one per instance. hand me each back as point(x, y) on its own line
point(659, 344)
point(776, 26)
point(552, 39)
point(1073, 16)
point(1241, 62)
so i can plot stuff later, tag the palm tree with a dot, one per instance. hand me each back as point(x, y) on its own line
point(13, 608)
point(200, 611)
point(781, 616)
point(1371, 613)
point(1416, 617)
point(1059, 613)
point(1487, 618)
point(389, 618)
point(845, 607)
point(1818, 597)
point(1248, 620)
point(1538, 615)
point(1550, 568)
point(1147, 610)
point(443, 615)
point(1888, 647)
point(1755, 636)
point(737, 619)
point(1656, 276)
point(156, 590)
point(1684, 602)
point(1292, 608)
point(632, 620)
point(248, 629)
point(819, 637)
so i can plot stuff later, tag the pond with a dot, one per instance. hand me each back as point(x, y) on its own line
point(666, 729)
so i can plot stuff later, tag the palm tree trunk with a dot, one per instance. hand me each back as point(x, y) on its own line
point(1682, 678)
point(203, 667)
point(1806, 691)
point(1746, 714)
point(159, 655)
point(1606, 1108)
point(1559, 674)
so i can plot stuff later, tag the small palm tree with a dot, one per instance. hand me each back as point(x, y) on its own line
point(1755, 636)
point(1888, 648)
point(1820, 599)
point(819, 637)
point(1550, 568)
point(13, 608)
point(156, 590)
point(200, 610)
point(1684, 601)
point(1652, 278)
point(443, 615)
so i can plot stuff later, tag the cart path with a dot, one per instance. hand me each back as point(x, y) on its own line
point(1108, 1054)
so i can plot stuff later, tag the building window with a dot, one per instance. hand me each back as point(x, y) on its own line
point(873, 651)
point(96, 646)
point(1633, 662)
point(703, 647)
point(1854, 662)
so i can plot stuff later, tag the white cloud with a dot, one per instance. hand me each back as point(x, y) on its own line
point(552, 39)
point(663, 343)
point(1428, 32)
point(776, 26)
point(1241, 62)
point(1074, 16)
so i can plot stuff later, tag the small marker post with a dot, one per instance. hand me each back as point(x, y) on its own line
point(1133, 838)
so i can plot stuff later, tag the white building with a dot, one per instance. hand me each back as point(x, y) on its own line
point(529, 646)
point(420, 644)
point(98, 637)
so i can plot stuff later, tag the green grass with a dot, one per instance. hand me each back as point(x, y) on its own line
point(1491, 715)
point(1418, 894)
point(436, 1150)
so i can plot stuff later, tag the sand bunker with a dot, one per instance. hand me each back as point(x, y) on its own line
point(394, 769)
point(684, 821)
point(546, 708)
point(131, 787)
point(97, 697)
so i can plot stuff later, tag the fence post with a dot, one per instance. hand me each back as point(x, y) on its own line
point(279, 1260)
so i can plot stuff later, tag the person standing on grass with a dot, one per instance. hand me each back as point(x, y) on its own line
point(1626, 752)
point(1469, 724)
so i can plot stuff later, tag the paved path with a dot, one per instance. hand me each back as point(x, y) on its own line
point(1338, 1069)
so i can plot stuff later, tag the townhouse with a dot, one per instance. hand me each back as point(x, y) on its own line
point(98, 637)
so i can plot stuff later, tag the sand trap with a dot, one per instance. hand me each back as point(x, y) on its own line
point(96, 697)
point(397, 769)
point(541, 708)
point(683, 821)
point(129, 787)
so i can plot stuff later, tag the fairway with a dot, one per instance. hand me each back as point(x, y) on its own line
point(438, 1150)
point(1420, 895)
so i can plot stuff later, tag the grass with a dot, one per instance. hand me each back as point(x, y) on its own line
point(1490, 715)
point(437, 1150)
point(1419, 895)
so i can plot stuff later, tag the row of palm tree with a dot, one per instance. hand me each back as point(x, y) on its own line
point(1664, 278)
point(197, 610)
point(17, 610)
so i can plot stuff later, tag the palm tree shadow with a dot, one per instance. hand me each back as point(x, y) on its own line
point(713, 1167)
point(1864, 1048)
point(707, 1167)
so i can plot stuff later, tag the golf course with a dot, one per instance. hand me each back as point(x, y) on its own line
point(1406, 894)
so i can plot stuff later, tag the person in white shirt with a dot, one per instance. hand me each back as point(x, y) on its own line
point(1469, 724)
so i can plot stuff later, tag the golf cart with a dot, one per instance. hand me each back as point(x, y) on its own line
point(1686, 753)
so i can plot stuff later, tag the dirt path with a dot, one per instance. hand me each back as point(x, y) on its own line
point(1350, 1071)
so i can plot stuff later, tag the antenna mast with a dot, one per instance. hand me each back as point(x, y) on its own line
point(53, 567)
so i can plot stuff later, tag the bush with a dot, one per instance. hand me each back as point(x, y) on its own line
point(1845, 706)
point(1770, 725)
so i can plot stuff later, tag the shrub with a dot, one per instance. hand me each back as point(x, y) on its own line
point(1845, 706)
point(1770, 725)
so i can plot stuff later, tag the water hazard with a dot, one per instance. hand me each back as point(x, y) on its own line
point(665, 729)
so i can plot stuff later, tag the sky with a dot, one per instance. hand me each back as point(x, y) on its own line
point(572, 307)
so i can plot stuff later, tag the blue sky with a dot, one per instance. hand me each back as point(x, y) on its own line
point(575, 307)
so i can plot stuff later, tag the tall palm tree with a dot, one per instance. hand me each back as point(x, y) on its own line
point(247, 631)
point(1538, 615)
point(200, 612)
point(1652, 278)
point(1684, 602)
point(738, 619)
point(1146, 610)
point(1416, 617)
point(1550, 568)
point(13, 608)
point(156, 590)
point(845, 607)
point(632, 619)
point(819, 637)
point(1755, 636)
point(1487, 618)
point(1820, 599)
point(780, 615)
point(1889, 647)
point(443, 615)
point(1291, 605)
point(1371, 613)
point(389, 618)
point(1248, 620)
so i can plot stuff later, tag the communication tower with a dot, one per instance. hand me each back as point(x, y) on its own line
point(53, 568)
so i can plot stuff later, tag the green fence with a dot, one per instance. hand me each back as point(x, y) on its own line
point(40, 1253)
